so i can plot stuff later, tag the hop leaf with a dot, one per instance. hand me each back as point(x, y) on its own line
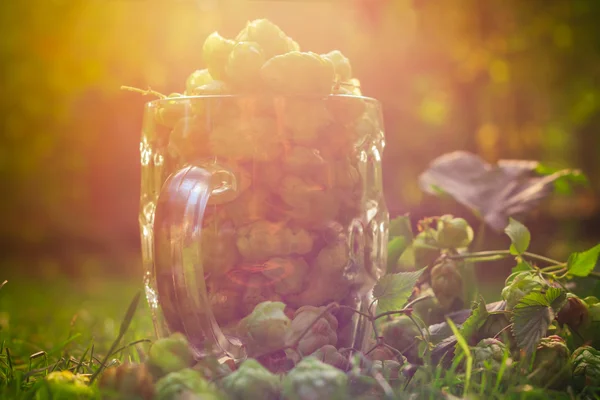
point(392, 291)
point(495, 192)
point(581, 264)
point(252, 381)
point(519, 236)
point(533, 314)
point(476, 320)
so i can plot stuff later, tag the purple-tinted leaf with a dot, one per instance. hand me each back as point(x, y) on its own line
point(494, 192)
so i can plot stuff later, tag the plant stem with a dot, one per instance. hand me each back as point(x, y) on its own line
point(144, 92)
point(542, 258)
point(504, 253)
point(395, 312)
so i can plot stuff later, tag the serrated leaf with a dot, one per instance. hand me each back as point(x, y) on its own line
point(495, 192)
point(581, 264)
point(533, 315)
point(475, 321)
point(519, 236)
point(392, 291)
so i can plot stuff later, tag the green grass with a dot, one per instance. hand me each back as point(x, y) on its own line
point(60, 324)
point(55, 325)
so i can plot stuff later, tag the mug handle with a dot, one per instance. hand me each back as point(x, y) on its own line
point(178, 265)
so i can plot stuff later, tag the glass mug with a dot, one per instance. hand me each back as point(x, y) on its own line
point(250, 198)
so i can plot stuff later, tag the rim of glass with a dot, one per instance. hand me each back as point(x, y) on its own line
point(171, 100)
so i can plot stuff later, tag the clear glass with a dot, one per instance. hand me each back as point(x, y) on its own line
point(246, 199)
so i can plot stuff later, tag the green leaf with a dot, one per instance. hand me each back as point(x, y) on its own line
point(581, 264)
point(479, 315)
point(519, 236)
point(401, 227)
point(392, 291)
point(533, 315)
point(396, 247)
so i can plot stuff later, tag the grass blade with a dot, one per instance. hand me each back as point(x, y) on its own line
point(82, 359)
point(465, 350)
point(124, 326)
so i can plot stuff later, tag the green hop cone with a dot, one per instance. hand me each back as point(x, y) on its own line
point(391, 370)
point(322, 332)
point(269, 36)
point(298, 73)
point(330, 355)
point(453, 233)
point(341, 65)
point(401, 333)
point(521, 285)
point(429, 309)
point(288, 274)
point(552, 363)
point(312, 379)
point(265, 329)
point(198, 78)
point(170, 354)
point(447, 283)
point(421, 253)
point(186, 383)
point(252, 381)
point(586, 367)
point(489, 352)
point(382, 353)
point(244, 64)
point(262, 240)
point(215, 52)
point(127, 381)
point(64, 385)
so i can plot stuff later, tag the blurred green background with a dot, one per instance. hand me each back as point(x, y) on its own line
point(502, 78)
